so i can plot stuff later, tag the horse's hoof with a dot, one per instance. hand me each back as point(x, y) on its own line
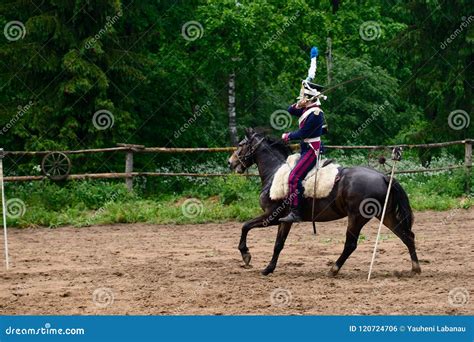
point(267, 271)
point(415, 268)
point(333, 271)
point(247, 257)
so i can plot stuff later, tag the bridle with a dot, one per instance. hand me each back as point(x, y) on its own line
point(247, 156)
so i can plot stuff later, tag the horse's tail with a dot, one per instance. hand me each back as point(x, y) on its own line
point(400, 205)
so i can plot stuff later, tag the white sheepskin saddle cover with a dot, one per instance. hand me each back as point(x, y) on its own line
point(324, 181)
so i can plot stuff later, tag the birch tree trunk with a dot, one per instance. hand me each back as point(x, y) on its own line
point(232, 115)
point(329, 59)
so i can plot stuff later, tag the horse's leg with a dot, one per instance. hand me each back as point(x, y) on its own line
point(407, 237)
point(283, 231)
point(356, 222)
point(260, 221)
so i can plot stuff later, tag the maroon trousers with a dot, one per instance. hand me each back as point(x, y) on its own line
point(305, 164)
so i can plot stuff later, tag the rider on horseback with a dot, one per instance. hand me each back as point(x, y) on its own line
point(311, 122)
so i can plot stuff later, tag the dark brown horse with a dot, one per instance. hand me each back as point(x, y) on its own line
point(359, 194)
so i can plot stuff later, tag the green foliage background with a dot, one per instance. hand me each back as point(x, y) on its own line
point(151, 78)
point(130, 58)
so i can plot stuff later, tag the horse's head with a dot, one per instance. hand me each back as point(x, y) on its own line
point(244, 156)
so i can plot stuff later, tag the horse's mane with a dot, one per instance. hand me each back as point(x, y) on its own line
point(278, 145)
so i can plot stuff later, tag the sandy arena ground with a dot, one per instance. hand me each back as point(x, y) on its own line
point(196, 269)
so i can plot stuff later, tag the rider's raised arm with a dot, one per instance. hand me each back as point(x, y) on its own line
point(293, 110)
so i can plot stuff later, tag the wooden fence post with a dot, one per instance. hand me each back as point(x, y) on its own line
point(468, 163)
point(129, 169)
point(129, 163)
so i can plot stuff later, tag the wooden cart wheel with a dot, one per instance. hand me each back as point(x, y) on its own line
point(56, 166)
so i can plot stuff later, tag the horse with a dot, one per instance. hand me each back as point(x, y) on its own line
point(356, 187)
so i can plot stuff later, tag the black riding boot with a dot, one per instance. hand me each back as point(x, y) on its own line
point(293, 216)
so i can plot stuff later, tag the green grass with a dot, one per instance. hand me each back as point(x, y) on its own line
point(164, 200)
point(442, 191)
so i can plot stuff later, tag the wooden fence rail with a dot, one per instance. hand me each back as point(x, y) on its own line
point(130, 150)
point(143, 149)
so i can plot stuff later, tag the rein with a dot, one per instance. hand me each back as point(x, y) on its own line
point(243, 160)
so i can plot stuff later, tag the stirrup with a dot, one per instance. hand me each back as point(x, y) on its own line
point(293, 216)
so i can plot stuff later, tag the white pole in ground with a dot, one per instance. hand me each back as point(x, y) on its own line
point(4, 210)
point(396, 156)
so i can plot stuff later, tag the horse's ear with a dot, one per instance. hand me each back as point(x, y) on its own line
point(249, 132)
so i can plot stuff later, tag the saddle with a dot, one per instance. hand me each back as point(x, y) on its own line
point(326, 178)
